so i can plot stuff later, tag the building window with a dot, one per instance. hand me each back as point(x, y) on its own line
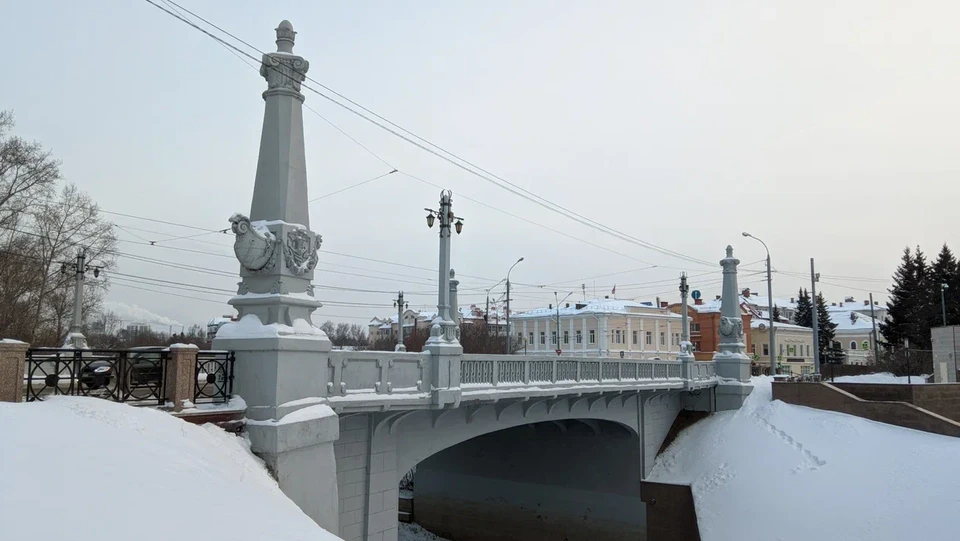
point(836, 345)
point(566, 337)
point(593, 336)
point(808, 350)
point(853, 344)
point(781, 349)
point(806, 369)
point(531, 339)
point(696, 346)
point(553, 337)
point(865, 345)
point(753, 348)
point(579, 337)
point(635, 335)
point(766, 350)
point(543, 338)
point(663, 339)
point(649, 338)
point(694, 327)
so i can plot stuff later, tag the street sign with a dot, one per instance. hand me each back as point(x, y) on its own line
point(695, 294)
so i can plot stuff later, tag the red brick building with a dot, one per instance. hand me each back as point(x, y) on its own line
point(705, 326)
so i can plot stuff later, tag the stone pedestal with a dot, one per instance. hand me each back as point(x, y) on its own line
point(181, 379)
point(732, 362)
point(299, 452)
point(13, 355)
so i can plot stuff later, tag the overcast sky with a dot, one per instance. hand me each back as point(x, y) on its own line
point(828, 129)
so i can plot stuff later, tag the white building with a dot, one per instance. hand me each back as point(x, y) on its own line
point(600, 327)
point(854, 333)
point(380, 328)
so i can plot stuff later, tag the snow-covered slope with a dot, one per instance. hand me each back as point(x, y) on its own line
point(773, 471)
point(88, 469)
point(882, 377)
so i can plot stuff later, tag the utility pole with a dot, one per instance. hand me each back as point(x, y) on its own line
point(773, 355)
point(509, 331)
point(814, 278)
point(75, 338)
point(876, 346)
point(401, 306)
point(556, 297)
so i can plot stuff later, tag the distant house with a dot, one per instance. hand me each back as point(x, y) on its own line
point(384, 328)
point(854, 333)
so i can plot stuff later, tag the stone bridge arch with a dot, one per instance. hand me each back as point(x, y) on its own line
point(375, 450)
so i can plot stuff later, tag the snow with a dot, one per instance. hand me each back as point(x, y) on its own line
point(11, 341)
point(250, 326)
point(599, 306)
point(310, 413)
point(415, 532)
point(776, 471)
point(141, 471)
point(883, 377)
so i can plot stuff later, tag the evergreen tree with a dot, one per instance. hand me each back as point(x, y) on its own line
point(776, 313)
point(908, 304)
point(804, 313)
point(826, 331)
point(943, 272)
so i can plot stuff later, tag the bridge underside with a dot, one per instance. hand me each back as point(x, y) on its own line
point(375, 450)
point(575, 479)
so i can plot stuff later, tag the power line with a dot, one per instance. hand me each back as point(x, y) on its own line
point(444, 154)
point(352, 186)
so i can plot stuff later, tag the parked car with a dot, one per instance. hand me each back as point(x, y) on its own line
point(144, 369)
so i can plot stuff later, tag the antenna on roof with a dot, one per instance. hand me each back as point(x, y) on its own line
point(583, 287)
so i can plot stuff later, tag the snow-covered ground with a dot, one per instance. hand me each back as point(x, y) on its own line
point(883, 377)
point(415, 532)
point(89, 469)
point(776, 471)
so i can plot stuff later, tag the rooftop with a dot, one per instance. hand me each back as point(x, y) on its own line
point(598, 306)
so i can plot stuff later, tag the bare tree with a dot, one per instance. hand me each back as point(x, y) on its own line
point(27, 172)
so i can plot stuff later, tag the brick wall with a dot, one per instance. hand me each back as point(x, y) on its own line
point(828, 397)
point(367, 482)
point(351, 452)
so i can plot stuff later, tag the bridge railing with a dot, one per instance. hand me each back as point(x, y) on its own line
point(701, 370)
point(519, 370)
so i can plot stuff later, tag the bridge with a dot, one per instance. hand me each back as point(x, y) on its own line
point(533, 445)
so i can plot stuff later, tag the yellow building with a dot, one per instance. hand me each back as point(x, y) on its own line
point(793, 346)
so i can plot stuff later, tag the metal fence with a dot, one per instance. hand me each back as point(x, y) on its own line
point(135, 376)
point(214, 376)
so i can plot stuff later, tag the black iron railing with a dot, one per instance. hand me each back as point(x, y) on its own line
point(214, 376)
point(135, 376)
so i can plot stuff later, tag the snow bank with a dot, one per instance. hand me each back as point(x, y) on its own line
point(883, 377)
point(776, 471)
point(250, 326)
point(86, 469)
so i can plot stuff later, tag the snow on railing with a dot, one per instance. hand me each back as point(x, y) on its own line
point(515, 370)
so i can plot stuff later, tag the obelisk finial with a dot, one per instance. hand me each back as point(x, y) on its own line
point(285, 37)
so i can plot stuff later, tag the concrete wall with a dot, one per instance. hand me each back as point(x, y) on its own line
point(554, 480)
point(827, 397)
point(946, 350)
point(671, 513)
point(941, 399)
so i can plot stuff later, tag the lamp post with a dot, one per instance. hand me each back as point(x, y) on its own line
point(447, 219)
point(509, 330)
point(943, 302)
point(773, 356)
point(486, 314)
point(400, 306)
point(559, 300)
point(80, 268)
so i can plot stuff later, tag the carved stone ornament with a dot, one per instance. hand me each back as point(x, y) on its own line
point(284, 72)
point(255, 248)
point(730, 326)
point(279, 288)
point(300, 251)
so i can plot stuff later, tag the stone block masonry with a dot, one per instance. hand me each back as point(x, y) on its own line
point(13, 355)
